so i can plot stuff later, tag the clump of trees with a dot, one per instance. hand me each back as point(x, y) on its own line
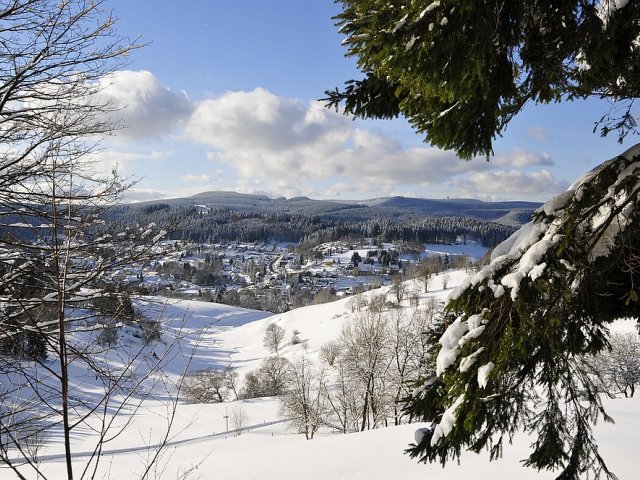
point(358, 380)
point(304, 402)
point(206, 273)
point(211, 385)
point(268, 380)
point(188, 223)
point(362, 375)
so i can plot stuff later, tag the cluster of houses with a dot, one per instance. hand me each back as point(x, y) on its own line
point(208, 269)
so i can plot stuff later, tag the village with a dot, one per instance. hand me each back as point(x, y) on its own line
point(277, 277)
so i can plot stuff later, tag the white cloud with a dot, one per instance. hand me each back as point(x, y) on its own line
point(509, 184)
point(261, 121)
point(289, 147)
point(519, 158)
point(136, 195)
point(145, 107)
point(287, 141)
point(376, 159)
point(106, 160)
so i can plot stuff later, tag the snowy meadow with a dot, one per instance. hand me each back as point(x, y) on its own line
point(157, 432)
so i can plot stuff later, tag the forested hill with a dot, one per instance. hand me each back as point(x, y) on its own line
point(214, 216)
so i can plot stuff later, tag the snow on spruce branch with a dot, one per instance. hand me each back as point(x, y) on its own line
point(604, 220)
point(582, 225)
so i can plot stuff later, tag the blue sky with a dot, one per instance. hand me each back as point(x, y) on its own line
point(224, 97)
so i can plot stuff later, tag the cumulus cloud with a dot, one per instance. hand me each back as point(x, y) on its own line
point(514, 184)
point(519, 158)
point(290, 147)
point(259, 120)
point(144, 106)
point(260, 125)
point(283, 140)
point(380, 160)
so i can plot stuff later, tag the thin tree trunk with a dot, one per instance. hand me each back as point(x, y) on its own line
point(64, 380)
point(60, 278)
point(365, 409)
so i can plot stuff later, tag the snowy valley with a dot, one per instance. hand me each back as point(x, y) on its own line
point(250, 438)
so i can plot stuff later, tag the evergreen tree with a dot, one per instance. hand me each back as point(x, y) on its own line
point(459, 71)
point(510, 357)
point(507, 356)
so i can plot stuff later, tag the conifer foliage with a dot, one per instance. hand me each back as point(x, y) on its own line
point(460, 70)
point(508, 358)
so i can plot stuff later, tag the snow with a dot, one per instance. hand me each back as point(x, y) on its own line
point(429, 8)
point(483, 374)
point(474, 321)
point(448, 421)
point(217, 335)
point(467, 362)
point(471, 334)
point(424, 386)
point(606, 8)
point(512, 281)
point(400, 23)
point(444, 112)
point(450, 345)
point(527, 247)
point(471, 250)
point(537, 271)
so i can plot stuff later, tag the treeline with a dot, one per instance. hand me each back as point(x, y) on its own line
point(209, 226)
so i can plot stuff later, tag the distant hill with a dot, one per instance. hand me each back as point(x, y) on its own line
point(398, 209)
point(218, 216)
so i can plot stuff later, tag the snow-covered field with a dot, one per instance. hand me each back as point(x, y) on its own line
point(198, 446)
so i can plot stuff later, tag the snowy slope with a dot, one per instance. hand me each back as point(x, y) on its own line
point(198, 446)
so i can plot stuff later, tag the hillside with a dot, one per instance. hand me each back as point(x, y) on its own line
point(386, 207)
point(228, 216)
point(203, 334)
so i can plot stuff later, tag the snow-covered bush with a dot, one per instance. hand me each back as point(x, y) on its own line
point(617, 369)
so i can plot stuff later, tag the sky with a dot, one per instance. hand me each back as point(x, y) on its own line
point(224, 96)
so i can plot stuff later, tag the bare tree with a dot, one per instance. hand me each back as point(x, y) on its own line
point(398, 288)
point(366, 356)
point(273, 338)
point(239, 419)
point(55, 250)
point(409, 354)
point(372, 364)
point(270, 379)
point(345, 397)
point(304, 402)
point(330, 352)
point(427, 268)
